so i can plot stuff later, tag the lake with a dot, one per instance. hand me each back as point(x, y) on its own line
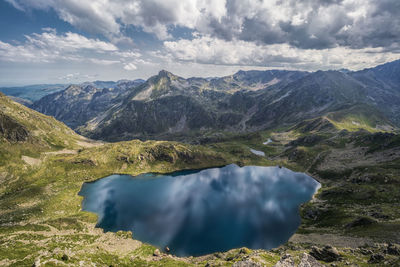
point(203, 211)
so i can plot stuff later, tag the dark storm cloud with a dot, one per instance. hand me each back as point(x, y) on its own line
point(311, 24)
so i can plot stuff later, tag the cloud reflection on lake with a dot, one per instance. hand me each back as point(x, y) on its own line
point(200, 212)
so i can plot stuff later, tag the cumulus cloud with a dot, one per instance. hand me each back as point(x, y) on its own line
point(208, 50)
point(70, 48)
point(48, 47)
point(227, 34)
point(68, 42)
point(103, 61)
point(130, 66)
point(309, 24)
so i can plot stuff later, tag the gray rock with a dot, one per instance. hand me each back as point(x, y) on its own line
point(246, 263)
point(309, 261)
point(365, 251)
point(12, 130)
point(285, 261)
point(362, 221)
point(36, 263)
point(65, 257)
point(393, 249)
point(376, 258)
point(327, 253)
point(156, 253)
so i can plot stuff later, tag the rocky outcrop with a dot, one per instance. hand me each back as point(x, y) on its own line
point(306, 261)
point(286, 261)
point(246, 263)
point(11, 130)
point(376, 258)
point(362, 221)
point(393, 249)
point(327, 253)
point(309, 261)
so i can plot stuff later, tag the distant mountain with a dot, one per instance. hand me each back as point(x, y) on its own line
point(32, 92)
point(387, 74)
point(112, 84)
point(78, 104)
point(164, 106)
point(382, 86)
point(167, 106)
point(254, 80)
point(311, 96)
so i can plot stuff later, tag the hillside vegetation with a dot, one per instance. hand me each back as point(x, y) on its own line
point(44, 164)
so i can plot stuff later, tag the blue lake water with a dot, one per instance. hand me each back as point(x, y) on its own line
point(203, 211)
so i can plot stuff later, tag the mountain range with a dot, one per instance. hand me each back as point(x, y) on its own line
point(170, 107)
point(347, 144)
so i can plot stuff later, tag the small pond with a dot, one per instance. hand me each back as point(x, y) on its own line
point(203, 211)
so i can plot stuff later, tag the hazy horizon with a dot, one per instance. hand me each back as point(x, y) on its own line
point(138, 78)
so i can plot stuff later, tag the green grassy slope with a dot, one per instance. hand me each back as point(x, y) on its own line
point(41, 221)
point(360, 117)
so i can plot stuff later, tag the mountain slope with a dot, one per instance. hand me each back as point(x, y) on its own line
point(167, 106)
point(254, 80)
point(382, 84)
point(21, 124)
point(78, 104)
point(312, 96)
point(170, 107)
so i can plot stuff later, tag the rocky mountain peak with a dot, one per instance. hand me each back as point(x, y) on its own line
point(167, 104)
point(166, 74)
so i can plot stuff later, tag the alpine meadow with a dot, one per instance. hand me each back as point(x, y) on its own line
point(200, 133)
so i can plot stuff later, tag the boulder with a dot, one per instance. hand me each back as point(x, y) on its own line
point(393, 249)
point(246, 263)
point(309, 261)
point(311, 213)
point(327, 253)
point(362, 221)
point(36, 263)
point(156, 253)
point(244, 251)
point(376, 258)
point(365, 251)
point(285, 261)
point(65, 257)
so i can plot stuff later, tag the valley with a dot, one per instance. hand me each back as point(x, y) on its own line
point(43, 165)
point(198, 133)
point(169, 107)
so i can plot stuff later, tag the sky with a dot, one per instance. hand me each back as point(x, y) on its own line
point(71, 41)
